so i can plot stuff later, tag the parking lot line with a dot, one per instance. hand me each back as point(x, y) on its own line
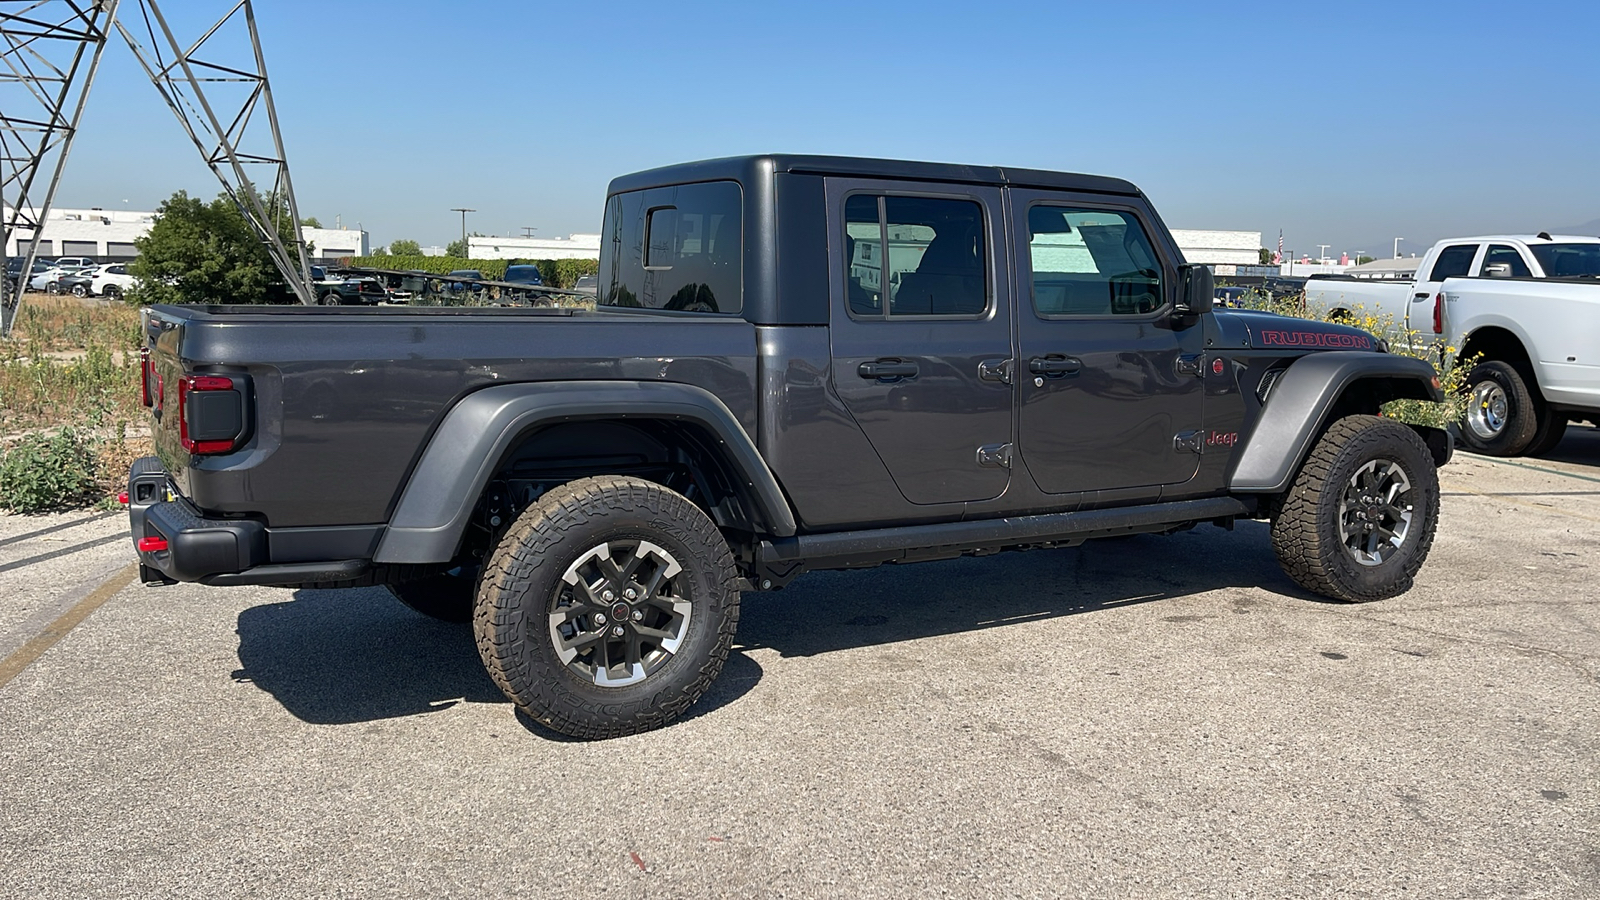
point(17, 539)
point(30, 560)
point(13, 665)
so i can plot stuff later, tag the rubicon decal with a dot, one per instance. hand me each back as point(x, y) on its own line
point(1315, 339)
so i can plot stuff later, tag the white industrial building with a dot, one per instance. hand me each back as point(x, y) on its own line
point(1222, 250)
point(575, 246)
point(108, 234)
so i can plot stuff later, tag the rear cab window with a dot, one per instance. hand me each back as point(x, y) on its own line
point(915, 256)
point(674, 248)
point(1455, 261)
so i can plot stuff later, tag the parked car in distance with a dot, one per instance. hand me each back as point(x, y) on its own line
point(1232, 297)
point(587, 284)
point(523, 275)
point(14, 269)
point(49, 280)
point(77, 284)
point(109, 281)
point(460, 280)
point(360, 291)
point(77, 262)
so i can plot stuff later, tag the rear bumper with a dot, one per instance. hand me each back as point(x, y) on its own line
point(227, 552)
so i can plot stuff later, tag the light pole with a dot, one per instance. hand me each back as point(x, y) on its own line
point(1322, 252)
point(463, 212)
point(528, 230)
point(1397, 247)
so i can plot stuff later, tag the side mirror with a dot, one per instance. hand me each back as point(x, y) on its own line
point(1497, 270)
point(1196, 291)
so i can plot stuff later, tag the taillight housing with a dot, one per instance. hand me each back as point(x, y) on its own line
point(211, 417)
point(1438, 313)
point(146, 371)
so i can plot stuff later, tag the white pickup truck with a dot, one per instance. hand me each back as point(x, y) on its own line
point(1410, 302)
point(1527, 305)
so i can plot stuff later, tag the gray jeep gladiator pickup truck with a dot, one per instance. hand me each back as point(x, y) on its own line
point(796, 363)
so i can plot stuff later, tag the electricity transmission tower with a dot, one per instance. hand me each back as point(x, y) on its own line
point(49, 52)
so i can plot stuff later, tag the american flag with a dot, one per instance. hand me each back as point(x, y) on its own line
point(1279, 256)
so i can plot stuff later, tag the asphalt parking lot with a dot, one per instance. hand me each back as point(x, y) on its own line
point(1162, 717)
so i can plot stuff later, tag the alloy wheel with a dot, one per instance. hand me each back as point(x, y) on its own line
point(620, 613)
point(1375, 512)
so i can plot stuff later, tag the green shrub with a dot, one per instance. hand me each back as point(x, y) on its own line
point(42, 472)
point(559, 273)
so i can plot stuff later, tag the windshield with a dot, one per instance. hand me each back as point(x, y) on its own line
point(1568, 260)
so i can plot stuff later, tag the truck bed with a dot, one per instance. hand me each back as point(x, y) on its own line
point(344, 399)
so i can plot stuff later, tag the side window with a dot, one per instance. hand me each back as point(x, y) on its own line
point(1501, 253)
point(915, 256)
point(678, 248)
point(1091, 262)
point(1454, 262)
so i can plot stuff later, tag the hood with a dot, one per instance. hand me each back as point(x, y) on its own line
point(1270, 331)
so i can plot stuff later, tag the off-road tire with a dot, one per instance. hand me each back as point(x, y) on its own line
point(524, 576)
point(1552, 428)
point(1521, 420)
point(1305, 528)
point(446, 596)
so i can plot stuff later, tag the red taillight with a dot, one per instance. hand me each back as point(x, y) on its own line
point(1438, 313)
point(193, 384)
point(152, 544)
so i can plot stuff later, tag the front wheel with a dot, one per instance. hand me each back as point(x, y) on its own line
point(608, 608)
point(112, 292)
point(79, 290)
point(1359, 519)
point(330, 299)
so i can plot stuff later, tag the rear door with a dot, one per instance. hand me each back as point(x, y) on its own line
point(920, 327)
point(1111, 392)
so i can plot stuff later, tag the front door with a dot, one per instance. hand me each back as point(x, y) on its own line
point(1111, 393)
point(921, 333)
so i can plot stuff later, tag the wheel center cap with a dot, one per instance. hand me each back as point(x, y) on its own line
point(619, 612)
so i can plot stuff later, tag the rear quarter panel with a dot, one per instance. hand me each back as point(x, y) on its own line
point(344, 404)
point(1558, 323)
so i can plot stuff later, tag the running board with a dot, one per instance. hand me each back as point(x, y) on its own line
point(780, 561)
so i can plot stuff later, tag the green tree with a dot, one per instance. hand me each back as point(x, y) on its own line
point(456, 248)
point(1363, 260)
point(379, 251)
point(1265, 256)
point(198, 252)
point(310, 222)
point(405, 248)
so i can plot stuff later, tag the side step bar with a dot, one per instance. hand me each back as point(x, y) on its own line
point(780, 561)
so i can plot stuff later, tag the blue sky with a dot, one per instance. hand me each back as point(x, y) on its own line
point(1345, 124)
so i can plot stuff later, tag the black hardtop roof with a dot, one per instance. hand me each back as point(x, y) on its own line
point(745, 168)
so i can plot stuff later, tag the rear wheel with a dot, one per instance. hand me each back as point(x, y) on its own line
point(112, 292)
point(53, 287)
point(1502, 414)
point(79, 290)
point(330, 299)
point(1359, 519)
point(608, 608)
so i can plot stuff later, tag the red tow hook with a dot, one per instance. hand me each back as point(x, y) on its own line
point(123, 498)
point(152, 544)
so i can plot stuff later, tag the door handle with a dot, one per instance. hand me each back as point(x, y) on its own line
point(887, 368)
point(1055, 365)
point(1421, 296)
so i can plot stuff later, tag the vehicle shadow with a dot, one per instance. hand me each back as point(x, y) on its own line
point(827, 611)
point(1581, 446)
point(346, 656)
point(356, 655)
